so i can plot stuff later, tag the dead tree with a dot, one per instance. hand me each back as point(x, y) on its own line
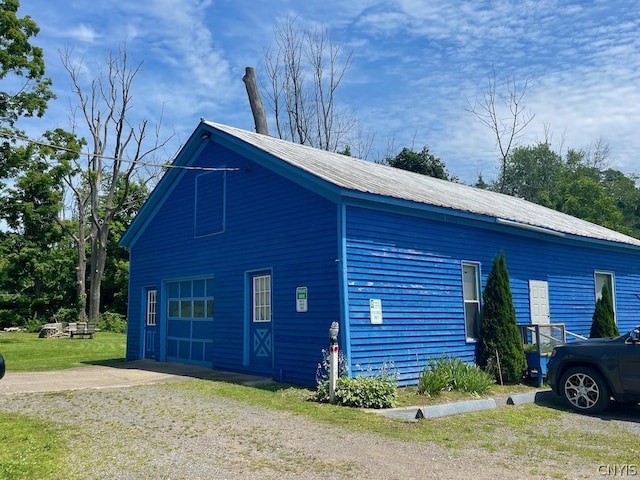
point(118, 151)
point(508, 127)
point(303, 74)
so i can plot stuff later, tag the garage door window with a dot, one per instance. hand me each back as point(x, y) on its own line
point(190, 320)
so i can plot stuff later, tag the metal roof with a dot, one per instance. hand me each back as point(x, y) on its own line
point(357, 175)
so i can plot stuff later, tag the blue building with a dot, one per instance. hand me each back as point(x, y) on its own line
point(250, 246)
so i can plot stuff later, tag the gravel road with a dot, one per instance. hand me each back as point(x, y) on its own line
point(164, 431)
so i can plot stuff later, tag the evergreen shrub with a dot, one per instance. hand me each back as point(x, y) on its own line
point(603, 323)
point(500, 350)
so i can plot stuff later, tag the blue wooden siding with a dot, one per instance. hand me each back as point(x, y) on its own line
point(414, 266)
point(270, 223)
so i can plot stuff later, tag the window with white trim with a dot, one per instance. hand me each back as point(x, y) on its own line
point(602, 279)
point(152, 304)
point(262, 298)
point(471, 294)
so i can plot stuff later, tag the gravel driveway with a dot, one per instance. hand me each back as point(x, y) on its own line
point(166, 431)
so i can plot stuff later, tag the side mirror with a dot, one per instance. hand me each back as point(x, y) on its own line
point(2, 366)
point(634, 335)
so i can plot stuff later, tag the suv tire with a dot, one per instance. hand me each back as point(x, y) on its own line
point(584, 390)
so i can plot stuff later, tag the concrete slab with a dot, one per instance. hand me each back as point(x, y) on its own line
point(126, 374)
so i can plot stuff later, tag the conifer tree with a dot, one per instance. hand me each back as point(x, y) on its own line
point(604, 324)
point(500, 349)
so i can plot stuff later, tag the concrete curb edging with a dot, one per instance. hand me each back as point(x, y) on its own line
point(435, 411)
point(413, 414)
point(522, 398)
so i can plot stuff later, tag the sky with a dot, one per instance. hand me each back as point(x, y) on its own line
point(415, 67)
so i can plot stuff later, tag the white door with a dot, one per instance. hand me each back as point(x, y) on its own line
point(539, 301)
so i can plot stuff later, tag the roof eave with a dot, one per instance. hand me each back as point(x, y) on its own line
point(446, 214)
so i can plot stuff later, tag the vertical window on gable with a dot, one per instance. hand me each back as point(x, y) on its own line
point(602, 279)
point(471, 293)
point(209, 204)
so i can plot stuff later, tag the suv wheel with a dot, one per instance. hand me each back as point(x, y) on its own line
point(584, 390)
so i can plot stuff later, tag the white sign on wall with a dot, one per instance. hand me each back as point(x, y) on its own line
point(301, 299)
point(375, 310)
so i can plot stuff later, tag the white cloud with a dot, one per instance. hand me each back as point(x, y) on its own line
point(80, 33)
point(415, 62)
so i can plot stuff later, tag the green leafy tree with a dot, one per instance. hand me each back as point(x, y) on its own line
point(422, 162)
point(36, 275)
point(531, 173)
point(574, 185)
point(481, 183)
point(626, 196)
point(500, 349)
point(604, 324)
point(587, 199)
point(115, 283)
point(24, 91)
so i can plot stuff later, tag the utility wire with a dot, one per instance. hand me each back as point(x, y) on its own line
point(64, 149)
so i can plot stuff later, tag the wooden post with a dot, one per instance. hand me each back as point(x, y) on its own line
point(257, 107)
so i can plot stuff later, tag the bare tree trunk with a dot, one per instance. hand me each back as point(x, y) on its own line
point(255, 101)
point(79, 237)
point(98, 262)
point(81, 272)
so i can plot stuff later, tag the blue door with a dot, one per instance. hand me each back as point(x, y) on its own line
point(151, 325)
point(261, 325)
point(190, 321)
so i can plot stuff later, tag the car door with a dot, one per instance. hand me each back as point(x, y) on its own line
point(629, 367)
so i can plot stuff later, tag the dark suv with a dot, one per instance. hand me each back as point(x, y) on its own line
point(588, 373)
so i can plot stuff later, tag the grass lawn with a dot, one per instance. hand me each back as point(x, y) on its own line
point(25, 352)
point(31, 448)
